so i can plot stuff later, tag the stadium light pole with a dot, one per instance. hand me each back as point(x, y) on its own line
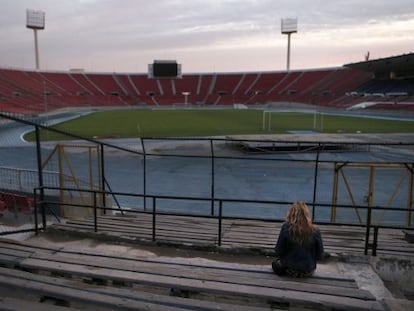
point(289, 26)
point(35, 20)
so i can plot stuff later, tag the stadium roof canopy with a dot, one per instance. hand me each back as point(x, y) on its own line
point(391, 67)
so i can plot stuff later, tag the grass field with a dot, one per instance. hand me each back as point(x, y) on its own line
point(196, 123)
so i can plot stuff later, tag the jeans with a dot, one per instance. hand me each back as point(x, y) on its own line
point(281, 270)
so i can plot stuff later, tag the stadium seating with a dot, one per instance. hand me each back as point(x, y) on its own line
point(188, 84)
point(16, 203)
point(33, 92)
point(206, 82)
point(64, 81)
point(127, 85)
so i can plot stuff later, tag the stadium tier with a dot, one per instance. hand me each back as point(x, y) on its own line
point(31, 92)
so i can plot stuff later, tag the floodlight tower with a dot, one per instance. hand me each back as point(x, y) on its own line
point(35, 20)
point(289, 26)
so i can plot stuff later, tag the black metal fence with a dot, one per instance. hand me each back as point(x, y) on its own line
point(323, 174)
point(45, 202)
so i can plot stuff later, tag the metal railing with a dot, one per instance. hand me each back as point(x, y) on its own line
point(218, 213)
point(24, 180)
point(44, 180)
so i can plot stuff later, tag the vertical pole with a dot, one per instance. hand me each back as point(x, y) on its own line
point(315, 181)
point(410, 196)
point(321, 122)
point(212, 177)
point(335, 192)
point(95, 213)
point(288, 53)
point(35, 212)
point(368, 229)
point(370, 197)
point(270, 122)
point(144, 173)
point(36, 48)
point(91, 184)
point(369, 211)
point(103, 176)
point(40, 174)
point(264, 120)
point(220, 222)
point(60, 150)
point(154, 215)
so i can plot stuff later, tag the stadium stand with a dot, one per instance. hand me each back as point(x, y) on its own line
point(391, 85)
point(190, 84)
point(382, 83)
point(15, 203)
point(225, 87)
point(244, 90)
point(91, 280)
point(206, 82)
point(65, 82)
point(148, 88)
point(128, 86)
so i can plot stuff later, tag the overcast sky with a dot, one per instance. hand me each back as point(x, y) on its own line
point(204, 35)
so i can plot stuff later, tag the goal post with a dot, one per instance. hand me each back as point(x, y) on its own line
point(267, 120)
point(316, 121)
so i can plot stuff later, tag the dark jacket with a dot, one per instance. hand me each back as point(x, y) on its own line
point(299, 257)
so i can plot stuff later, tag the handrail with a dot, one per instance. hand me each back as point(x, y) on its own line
point(219, 216)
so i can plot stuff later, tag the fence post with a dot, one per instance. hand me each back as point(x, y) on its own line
point(154, 215)
point(368, 229)
point(375, 242)
point(95, 213)
point(40, 174)
point(315, 181)
point(212, 177)
point(35, 212)
point(410, 194)
point(220, 222)
point(102, 177)
point(144, 172)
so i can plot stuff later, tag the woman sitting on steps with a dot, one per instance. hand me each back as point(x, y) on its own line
point(299, 245)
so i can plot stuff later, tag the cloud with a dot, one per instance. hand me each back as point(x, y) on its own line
point(116, 33)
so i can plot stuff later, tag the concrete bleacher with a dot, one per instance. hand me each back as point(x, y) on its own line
point(188, 84)
point(90, 87)
point(284, 85)
point(384, 94)
point(25, 91)
point(121, 277)
point(21, 80)
point(227, 83)
point(128, 86)
point(65, 82)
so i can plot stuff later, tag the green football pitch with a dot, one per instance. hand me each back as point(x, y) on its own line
point(200, 122)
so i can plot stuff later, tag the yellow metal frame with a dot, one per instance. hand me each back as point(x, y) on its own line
point(64, 161)
point(369, 198)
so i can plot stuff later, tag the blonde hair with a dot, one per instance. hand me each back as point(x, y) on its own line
point(300, 223)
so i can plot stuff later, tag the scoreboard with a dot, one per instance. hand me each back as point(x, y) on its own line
point(164, 69)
